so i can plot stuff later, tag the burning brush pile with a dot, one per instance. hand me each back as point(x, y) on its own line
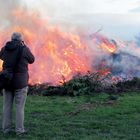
point(73, 62)
point(89, 84)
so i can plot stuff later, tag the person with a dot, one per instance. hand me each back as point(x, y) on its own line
point(18, 88)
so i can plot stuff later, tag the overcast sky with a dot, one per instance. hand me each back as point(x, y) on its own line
point(63, 7)
point(120, 17)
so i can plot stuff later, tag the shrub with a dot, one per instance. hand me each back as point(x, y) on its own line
point(89, 84)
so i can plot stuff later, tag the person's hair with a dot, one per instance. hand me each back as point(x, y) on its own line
point(16, 36)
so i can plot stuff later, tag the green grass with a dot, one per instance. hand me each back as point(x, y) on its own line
point(81, 118)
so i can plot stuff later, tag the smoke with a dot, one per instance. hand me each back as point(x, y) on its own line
point(7, 7)
point(137, 37)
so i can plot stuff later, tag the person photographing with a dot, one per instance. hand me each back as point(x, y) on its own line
point(15, 56)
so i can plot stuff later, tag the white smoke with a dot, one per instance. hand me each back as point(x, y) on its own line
point(7, 7)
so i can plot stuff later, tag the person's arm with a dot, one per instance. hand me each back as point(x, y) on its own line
point(29, 56)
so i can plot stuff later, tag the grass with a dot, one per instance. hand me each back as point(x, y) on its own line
point(81, 118)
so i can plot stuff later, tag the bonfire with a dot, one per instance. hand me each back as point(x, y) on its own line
point(61, 54)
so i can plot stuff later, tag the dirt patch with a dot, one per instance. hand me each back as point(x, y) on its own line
point(89, 106)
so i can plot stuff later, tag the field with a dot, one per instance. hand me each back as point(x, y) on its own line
point(99, 117)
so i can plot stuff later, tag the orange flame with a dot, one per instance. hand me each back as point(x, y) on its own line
point(104, 42)
point(109, 47)
point(58, 54)
point(1, 62)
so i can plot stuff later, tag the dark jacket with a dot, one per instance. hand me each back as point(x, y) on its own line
point(9, 54)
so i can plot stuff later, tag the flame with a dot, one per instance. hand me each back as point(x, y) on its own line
point(1, 62)
point(57, 53)
point(108, 47)
point(105, 43)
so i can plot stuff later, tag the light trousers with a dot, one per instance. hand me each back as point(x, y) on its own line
point(19, 96)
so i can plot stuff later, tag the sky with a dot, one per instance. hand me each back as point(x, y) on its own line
point(116, 17)
point(66, 7)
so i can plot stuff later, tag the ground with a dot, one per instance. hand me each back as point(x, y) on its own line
point(99, 117)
